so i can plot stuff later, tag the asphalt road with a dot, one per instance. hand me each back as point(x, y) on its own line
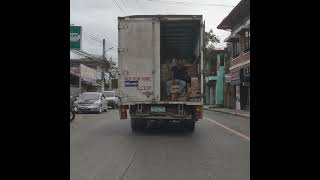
point(102, 147)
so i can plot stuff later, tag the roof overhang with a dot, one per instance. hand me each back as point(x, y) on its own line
point(232, 38)
point(235, 34)
point(238, 13)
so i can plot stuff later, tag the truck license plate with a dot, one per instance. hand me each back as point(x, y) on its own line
point(158, 109)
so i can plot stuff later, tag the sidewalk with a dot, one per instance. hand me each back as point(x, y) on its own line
point(234, 112)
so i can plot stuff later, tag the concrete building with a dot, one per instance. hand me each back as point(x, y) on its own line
point(214, 78)
point(95, 67)
point(229, 90)
point(238, 22)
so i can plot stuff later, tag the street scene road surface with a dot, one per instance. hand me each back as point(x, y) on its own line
point(103, 147)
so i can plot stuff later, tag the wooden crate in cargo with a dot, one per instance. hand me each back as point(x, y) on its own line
point(192, 71)
point(194, 80)
point(193, 93)
point(194, 87)
point(195, 84)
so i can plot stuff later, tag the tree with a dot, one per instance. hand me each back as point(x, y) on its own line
point(114, 70)
point(210, 40)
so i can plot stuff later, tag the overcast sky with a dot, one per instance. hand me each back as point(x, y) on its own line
point(98, 18)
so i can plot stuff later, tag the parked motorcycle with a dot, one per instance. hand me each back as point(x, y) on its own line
point(72, 108)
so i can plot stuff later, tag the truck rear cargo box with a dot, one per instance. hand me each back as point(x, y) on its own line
point(149, 47)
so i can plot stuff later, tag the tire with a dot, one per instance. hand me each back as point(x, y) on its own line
point(189, 125)
point(72, 115)
point(134, 126)
point(137, 124)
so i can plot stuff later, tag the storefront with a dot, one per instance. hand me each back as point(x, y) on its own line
point(240, 83)
point(245, 87)
point(235, 85)
point(229, 93)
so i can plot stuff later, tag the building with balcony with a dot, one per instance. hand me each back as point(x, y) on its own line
point(214, 78)
point(238, 23)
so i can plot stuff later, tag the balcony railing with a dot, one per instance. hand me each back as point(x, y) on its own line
point(235, 55)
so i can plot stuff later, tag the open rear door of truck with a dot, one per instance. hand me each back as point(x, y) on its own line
point(139, 49)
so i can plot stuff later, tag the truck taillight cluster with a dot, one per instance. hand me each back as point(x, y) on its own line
point(198, 112)
point(123, 112)
point(198, 109)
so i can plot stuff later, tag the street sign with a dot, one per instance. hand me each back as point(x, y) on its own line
point(75, 37)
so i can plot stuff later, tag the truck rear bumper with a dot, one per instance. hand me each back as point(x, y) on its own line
point(154, 117)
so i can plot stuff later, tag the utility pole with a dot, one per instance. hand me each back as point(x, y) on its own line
point(80, 79)
point(104, 58)
point(104, 49)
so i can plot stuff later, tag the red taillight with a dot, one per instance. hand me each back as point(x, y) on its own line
point(199, 113)
point(198, 108)
point(123, 112)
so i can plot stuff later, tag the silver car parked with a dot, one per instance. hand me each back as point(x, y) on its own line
point(92, 102)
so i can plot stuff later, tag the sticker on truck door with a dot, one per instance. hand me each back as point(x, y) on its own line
point(130, 83)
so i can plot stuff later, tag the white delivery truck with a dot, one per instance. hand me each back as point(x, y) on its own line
point(161, 69)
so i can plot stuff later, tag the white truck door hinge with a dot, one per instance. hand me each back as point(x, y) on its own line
point(154, 20)
point(122, 50)
point(122, 26)
point(124, 73)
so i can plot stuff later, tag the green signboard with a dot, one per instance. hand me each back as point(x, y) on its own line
point(75, 37)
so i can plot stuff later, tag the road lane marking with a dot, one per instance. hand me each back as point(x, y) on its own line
point(231, 130)
point(130, 163)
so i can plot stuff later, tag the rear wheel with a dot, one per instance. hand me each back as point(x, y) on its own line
point(189, 125)
point(137, 124)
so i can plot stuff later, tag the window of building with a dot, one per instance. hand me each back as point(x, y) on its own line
point(235, 49)
point(246, 41)
point(222, 59)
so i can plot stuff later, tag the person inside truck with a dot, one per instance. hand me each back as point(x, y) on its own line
point(179, 77)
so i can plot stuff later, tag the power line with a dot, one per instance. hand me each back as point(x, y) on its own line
point(187, 3)
point(124, 4)
point(92, 37)
point(119, 7)
point(96, 39)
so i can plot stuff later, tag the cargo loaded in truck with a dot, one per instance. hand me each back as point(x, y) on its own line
point(160, 65)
